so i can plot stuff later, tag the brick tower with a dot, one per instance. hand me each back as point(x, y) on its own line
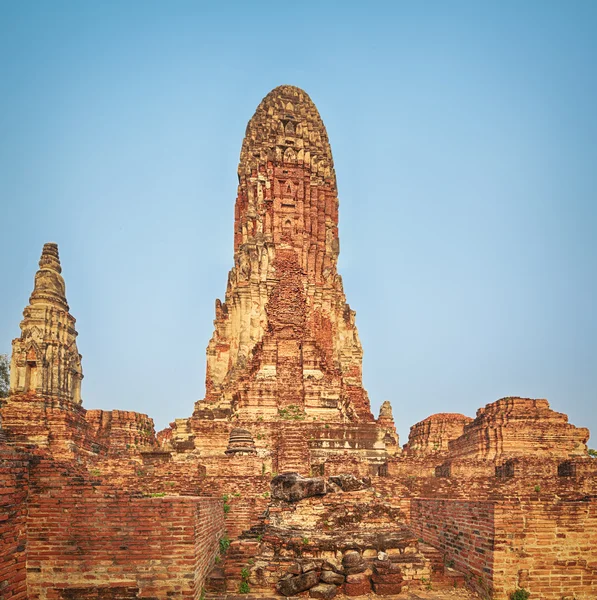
point(285, 336)
point(285, 359)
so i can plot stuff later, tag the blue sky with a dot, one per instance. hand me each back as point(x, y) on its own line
point(464, 137)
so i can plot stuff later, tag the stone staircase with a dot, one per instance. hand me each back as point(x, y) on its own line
point(226, 577)
point(442, 576)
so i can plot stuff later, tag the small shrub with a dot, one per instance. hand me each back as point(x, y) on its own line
point(537, 488)
point(236, 494)
point(243, 588)
point(520, 594)
point(305, 540)
point(266, 494)
point(245, 574)
point(157, 494)
point(226, 508)
point(260, 537)
point(592, 452)
point(292, 412)
point(95, 472)
point(224, 544)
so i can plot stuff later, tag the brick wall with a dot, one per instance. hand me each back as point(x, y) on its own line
point(463, 530)
point(14, 483)
point(84, 535)
point(547, 547)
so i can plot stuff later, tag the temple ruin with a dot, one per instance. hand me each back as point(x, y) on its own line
point(281, 482)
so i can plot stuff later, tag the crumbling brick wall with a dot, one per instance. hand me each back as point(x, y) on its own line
point(548, 547)
point(82, 535)
point(463, 530)
point(14, 484)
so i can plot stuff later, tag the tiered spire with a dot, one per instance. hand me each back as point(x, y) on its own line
point(285, 335)
point(45, 359)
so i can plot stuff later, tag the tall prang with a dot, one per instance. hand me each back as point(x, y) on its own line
point(285, 335)
point(45, 359)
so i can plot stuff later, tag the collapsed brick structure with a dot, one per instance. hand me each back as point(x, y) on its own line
point(94, 504)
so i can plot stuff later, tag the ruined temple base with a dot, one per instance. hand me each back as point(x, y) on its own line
point(456, 594)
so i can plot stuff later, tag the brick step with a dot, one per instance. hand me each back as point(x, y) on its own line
point(449, 579)
point(261, 595)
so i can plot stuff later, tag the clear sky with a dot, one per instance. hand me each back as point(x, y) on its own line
point(465, 142)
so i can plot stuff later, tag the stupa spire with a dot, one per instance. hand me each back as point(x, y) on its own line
point(285, 335)
point(45, 358)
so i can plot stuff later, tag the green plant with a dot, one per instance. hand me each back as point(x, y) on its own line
point(293, 412)
point(226, 508)
point(260, 537)
point(327, 426)
point(305, 540)
point(520, 594)
point(266, 494)
point(218, 559)
point(224, 544)
point(236, 494)
point(95, 472)
point(244, 588)
point(537, 488)
point(202, 595)
point(157, 494)
point(592, 452)
point(225, 497)
point(263, 468)
point(450, 563)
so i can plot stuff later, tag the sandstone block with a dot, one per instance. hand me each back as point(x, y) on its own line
point(331, 565)
point(332, 577)
point(309, 566)
point(323, 590)
point(350, 483)
point(292, 487)
point(351, 558)
point(295, 585)
point(294, 569)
